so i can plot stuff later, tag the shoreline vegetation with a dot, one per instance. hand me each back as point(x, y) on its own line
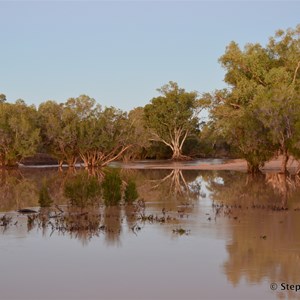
point(255, 118)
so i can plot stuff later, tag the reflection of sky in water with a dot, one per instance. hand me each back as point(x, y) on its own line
point(160, 163)
point(222, 257)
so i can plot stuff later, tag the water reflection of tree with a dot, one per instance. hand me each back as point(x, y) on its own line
point(267, 247)
point(277, 190)
point(285, 185)
point(16, 191)
point(173, 184)
point(112, 221)
point(19, 188)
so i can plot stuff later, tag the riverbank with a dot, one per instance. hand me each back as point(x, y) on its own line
point(201, 164)
point(241, 165)
point(214, 164)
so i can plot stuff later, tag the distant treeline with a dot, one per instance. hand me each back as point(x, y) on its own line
point(256, 117)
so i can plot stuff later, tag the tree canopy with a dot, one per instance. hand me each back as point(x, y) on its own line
point(19, 134)
point(172, 117)
point(258, 111)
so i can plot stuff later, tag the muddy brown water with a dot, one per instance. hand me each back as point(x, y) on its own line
point(224, 235)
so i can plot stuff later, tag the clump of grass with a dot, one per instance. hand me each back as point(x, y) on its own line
point(82, 190)
point(5, 221)
point(131, 193)
point(111, 187)
point(44, 196)
point(181, 231)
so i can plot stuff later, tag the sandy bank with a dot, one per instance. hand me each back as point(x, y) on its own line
point(231, 164)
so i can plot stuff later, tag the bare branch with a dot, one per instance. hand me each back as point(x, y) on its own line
point(235, 105)
point(295, 73)
point(116, 156)
point(159, 139)
point(185, 135)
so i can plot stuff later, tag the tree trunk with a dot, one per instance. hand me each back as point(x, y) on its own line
point(298, 169)
point(252, 169)
point(72, 161)
point(177, 154)
point(85, 161)
point(284, 162)
point(2, 160)
point(60, 164)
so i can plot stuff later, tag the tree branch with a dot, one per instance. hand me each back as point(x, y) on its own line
point(159, 139)
point(295, 73)
point(235, 105)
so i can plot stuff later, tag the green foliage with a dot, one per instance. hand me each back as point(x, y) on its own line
point(59, 130)
point(44, 196)
point(172, 117)
point(19, 135)
point(192, 146)
point(2, 98)
point(111, 187)
point(139, 135)
point(258, 112)
point(80, 128)
point(82, 190)
point(212, 144)
point(158, 151)
point(104, 137)
point(131, 193)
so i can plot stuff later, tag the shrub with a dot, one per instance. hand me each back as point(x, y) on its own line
point(111, 187)
point(131, 193)
point(82, 190)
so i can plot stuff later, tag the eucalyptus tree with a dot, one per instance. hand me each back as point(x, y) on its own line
point(258, 110)
point(241, 129)
point(76, 112)
point(59, 131)
point(19, 135)
point(139, 135)
point(104, 137)
point(81, 129)
point(278, 100)
point(295, 151)
point(278, 108)
point(172, 117)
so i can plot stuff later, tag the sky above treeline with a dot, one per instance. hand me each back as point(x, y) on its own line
point(120, 52)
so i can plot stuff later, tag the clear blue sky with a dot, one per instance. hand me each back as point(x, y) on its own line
point(120, 52)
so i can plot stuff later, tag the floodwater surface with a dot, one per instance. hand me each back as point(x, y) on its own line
point(193, 235)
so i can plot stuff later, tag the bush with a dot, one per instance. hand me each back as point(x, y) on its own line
point(131, 193)
point(44, 197)
point(82, 190)
point(111, 187)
